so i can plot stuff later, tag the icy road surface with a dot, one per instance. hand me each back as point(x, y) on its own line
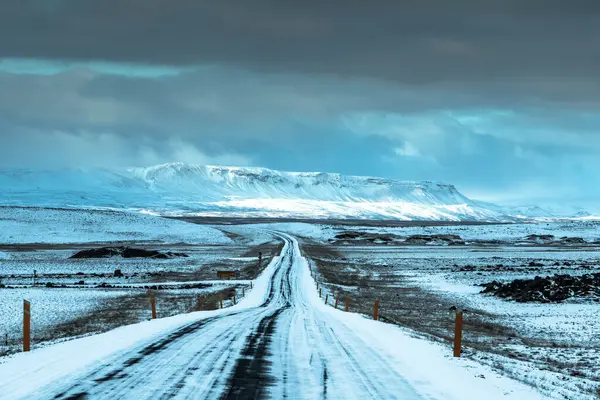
point(279, 342)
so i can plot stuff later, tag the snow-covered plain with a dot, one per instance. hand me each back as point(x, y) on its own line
point(552, 346)
point(315, 351)
point(49, 307)
point(510, 232)
point(43, 225)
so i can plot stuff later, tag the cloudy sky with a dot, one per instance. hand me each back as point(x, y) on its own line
point(501, 98)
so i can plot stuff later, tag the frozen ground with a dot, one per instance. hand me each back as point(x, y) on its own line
point(279, 341)
point(585, 229)
point(43, 225)
point(553, 346)
point(49, 307)
point(71, 293)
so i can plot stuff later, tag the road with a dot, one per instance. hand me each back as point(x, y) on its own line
point(283, 348)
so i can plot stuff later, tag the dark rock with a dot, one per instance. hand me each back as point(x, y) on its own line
point(349, 235)
point(102, 252)
point(118, 273)
point(125, 252)
point(535, 264)
point(573, 240)
point(547, 289)
point(540, 238)
point(453, 240)
point(80, 283)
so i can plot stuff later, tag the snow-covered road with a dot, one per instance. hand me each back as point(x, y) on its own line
point(279, 342)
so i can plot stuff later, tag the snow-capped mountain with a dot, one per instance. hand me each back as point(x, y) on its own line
point(179, 188)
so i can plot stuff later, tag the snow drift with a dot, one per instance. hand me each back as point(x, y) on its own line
point(185, 189)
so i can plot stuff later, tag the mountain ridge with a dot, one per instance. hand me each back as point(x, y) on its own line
point(192, 189)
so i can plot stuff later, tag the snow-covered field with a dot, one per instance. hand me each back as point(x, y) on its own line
point(551, 336)
point(49, 264)
point(42, 225)
point(44, 239)
point(553, 346)
point(49, 307)
point(314, 352)
point(511, 232)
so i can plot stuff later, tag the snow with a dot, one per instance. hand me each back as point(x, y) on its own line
point(362, 358)
point(509, 232)
point(43, 225)
point(187, 189)
point(427, 366)
point(48, 307)
point(45, 365)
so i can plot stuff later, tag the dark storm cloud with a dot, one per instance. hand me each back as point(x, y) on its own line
point(405, 41)
point(495, 96)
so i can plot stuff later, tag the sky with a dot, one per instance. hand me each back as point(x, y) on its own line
point(500, 98)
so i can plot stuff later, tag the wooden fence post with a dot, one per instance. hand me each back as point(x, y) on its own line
point(320, 294)
point(326, 298)
point(153, 305)
point(234, 298)
point(26, 325)
point(243, 291)
point(347, 303)
point(337, 298)
point(376, 310)
point(221, 299)
point(198, 303)
point(250, 284)
point(458, 334)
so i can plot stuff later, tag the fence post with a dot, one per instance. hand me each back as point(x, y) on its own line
point(376, 310)
point(458, 334)
point(347, 303)
point(198, 303)
point(326, 298)
point(259, 259)
point(243, 291)
point(153, 304)
point(337, 298)
point(234, 298)
point(250, 284)
point(221, 299)
point(320, 294)
point(26, 325)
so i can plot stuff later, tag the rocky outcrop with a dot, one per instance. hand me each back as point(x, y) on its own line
point(365, 237)
point(125, 252)
point(552, 240)
point(551, 289)
point(452, 240)
point(382, 238)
